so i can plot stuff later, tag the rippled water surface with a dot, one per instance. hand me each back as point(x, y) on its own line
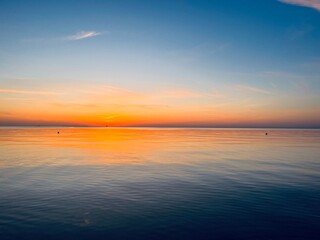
point(105, 183)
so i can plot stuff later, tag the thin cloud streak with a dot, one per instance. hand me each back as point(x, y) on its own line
point(75, 37)
point(18, 91)
point(305, 3)
point(248, 88)
point(111, 92)
point(180, 93)
point(83, 35)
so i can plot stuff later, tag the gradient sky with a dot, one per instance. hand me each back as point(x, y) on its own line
point(220, 63)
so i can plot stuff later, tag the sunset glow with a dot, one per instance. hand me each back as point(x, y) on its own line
point(160, 64)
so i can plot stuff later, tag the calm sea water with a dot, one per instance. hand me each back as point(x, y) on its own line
point(94, 183)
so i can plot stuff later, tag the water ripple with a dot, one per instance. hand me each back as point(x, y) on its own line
point(159, 184)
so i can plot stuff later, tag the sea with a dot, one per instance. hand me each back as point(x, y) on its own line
point(159, 183)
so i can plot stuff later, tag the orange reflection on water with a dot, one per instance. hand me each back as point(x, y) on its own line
point(95, 146)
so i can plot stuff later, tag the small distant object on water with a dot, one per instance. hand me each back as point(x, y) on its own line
point(58, 132)
point(266, 133)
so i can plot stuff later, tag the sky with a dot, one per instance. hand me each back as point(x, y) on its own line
point(217, 63)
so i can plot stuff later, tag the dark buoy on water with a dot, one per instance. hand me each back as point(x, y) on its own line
point(58, 132)
point(266, 133)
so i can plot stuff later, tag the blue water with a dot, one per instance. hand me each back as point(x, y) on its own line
point(108, 183)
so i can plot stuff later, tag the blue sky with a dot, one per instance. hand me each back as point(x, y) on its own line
point(262, 57)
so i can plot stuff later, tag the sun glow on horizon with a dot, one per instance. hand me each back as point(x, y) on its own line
point(115, 106)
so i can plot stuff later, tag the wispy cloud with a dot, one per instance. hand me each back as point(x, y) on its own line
point(279, 74)
point(188, 93)
point(141, 106)
point(305, 3)
point(111, 91)
point(248, 88)
point(180, 93)
point(82, 35)
point(74, 37)
point(19, 91)
point(300, 31)
point(315, 65)
point(76, 105)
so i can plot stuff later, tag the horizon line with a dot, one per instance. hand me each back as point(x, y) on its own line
point(199, 127)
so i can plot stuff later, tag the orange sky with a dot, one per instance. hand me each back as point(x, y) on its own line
point(114, 106)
